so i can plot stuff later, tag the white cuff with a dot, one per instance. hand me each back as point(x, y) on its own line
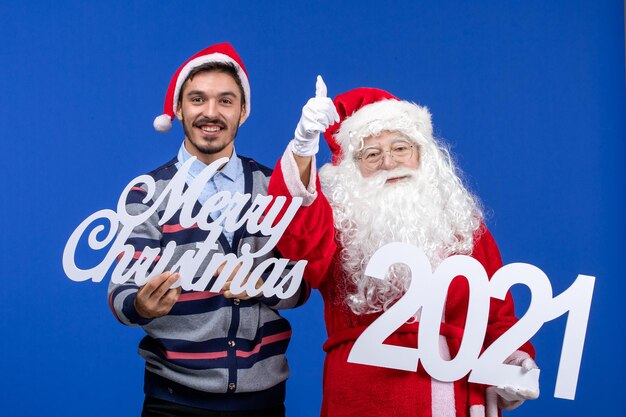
point(477, 410)
point(291, 174)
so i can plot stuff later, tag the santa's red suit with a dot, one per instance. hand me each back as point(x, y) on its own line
point(367, 391)
point(360, 390)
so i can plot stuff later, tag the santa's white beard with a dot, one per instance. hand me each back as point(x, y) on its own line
point(440, 217)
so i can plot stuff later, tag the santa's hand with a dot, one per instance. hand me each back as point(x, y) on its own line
point(318, 113)
point(510, 397)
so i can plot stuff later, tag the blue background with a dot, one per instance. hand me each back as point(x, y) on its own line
point(530, 95)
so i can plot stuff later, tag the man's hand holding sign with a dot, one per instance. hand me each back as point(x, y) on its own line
point(157, 297)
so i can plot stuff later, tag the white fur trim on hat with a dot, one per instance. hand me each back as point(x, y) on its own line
point(385, 115)
point(214, 57)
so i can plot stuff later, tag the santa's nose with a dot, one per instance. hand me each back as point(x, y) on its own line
point(388, 162)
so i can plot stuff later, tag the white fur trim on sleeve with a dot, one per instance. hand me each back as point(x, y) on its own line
point(442, 393)
point(477, 410)
point(291, 175)
point(491, 402)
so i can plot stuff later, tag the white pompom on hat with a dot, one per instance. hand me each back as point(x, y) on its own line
point(222, 52)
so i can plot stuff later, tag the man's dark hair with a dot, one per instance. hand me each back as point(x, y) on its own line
point(223, 67)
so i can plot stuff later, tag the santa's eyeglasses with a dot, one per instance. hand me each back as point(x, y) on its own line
point(372, 158)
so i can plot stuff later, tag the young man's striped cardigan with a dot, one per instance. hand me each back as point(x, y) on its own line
point(209, 351)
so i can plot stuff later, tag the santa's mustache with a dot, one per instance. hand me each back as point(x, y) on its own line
point(380, 178)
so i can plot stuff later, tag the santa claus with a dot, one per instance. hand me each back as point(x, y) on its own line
point(390, 181)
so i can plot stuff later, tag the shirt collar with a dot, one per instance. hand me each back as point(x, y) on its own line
point(231, 170)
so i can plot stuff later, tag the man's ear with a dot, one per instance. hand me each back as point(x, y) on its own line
point(179, 113)
point(244, 115)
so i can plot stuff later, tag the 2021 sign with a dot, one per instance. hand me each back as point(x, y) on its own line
point(428, 291)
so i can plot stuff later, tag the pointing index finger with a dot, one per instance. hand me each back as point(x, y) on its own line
point(320, 87)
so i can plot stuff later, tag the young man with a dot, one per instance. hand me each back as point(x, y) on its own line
point(390, 181)
point(206, 353)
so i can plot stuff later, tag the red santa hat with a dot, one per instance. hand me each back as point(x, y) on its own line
point(365, 111)
point(222, 52)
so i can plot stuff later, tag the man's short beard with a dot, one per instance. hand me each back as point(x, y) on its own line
point(207, 148)
point(431, 210)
